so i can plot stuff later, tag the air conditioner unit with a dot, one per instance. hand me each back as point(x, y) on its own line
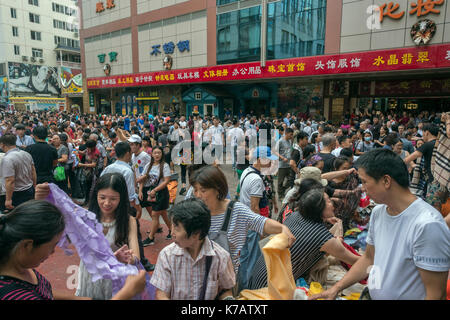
point(41, 60)
point(33, 59)
point(24, 58)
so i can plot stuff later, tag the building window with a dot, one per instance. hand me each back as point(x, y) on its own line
point(37, 53)
point(198, 96)
point(63, 9)
point(34, 2)
point(15, 31)
point(295, 28)
point(224, 41)
point(13, 13)
point(34, 18)
point(35, 35)
point(16, 50)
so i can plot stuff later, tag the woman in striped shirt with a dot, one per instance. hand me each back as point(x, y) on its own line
point(211, 186)
point(28, 236)
point(313, 240)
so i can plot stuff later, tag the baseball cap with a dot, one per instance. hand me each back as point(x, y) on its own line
point(135, 139)
point(264, 152)
point(312, 173)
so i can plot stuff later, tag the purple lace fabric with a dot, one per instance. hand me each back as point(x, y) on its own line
point(86, 234)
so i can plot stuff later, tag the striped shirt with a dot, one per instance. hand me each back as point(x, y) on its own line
point(242, 220)
point(15, 289)
point(305, 252)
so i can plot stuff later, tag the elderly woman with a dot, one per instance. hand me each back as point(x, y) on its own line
point(313, 240)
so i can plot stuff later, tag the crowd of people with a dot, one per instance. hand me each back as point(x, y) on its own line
point(299, 175)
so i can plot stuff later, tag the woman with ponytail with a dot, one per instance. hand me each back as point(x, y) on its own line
point(154, 193)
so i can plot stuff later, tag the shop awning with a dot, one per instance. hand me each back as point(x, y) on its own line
point(37, 99)
point(147, 98)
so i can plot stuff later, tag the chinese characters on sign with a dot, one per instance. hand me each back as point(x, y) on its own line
point(407, 58)
point(435, 56)
point(112, 57)
point(420, 8)
point(169, 48)
point(100, 7)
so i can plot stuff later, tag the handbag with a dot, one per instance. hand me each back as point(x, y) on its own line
point(59, 173)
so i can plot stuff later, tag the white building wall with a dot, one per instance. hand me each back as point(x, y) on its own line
point(192, 27)
point(120, 42)
point(46, 16)
point(356, 36)
point(91, 18)
point(144, 6)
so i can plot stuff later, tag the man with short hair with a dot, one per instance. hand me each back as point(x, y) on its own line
point(23, 140)
point(283, 150)
point(329, 144)
point(235, 138)
point(407, 145)
point(139, 160)
point(344, 142)
point(297, 152)
point(17, 170)
point(430, 133)
point(121, 165)
point(183, 266)
point(412, 232)
point(45, 156)
point(217, 139)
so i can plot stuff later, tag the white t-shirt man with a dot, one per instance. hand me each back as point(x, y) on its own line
point(139, 162)
point(416, 238)
point(235, 135)
point(252, 185)
point(216, 133)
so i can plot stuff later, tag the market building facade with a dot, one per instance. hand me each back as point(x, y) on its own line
point(40, 62)
point(204, 56)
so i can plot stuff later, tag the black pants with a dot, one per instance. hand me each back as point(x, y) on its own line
point(183, 173)
point(70, 177)
point(18, 197)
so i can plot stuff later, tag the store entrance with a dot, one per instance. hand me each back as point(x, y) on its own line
point(256, 107)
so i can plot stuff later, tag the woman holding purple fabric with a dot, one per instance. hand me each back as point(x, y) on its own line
point(28, 236)
point(111, 205)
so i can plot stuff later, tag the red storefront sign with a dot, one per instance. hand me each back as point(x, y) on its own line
point(437, 56)
point(410, 87)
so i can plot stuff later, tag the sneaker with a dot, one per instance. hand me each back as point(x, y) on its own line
point(182, 191)
point(148, 242)
point(160, 230)
point(169, 236)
